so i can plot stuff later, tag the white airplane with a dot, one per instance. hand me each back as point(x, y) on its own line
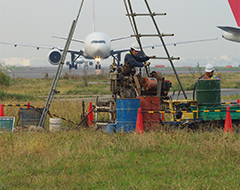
point(97, 46)
point(233, 33)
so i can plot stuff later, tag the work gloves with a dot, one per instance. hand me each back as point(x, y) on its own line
point(147, 64)
point(152, 57)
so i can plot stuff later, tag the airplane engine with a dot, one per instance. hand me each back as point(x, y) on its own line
point(54, 56)
point(90, 63)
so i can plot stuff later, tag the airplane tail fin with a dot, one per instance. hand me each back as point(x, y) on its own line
point(93, 16)
point(235, 6)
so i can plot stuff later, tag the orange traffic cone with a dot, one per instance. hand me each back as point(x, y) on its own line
point(1, 111)
point(28, 105)
point(228, 122)
point(90, 116)
point(139, 124)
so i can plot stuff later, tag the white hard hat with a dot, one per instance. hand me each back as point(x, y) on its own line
point(209, 68)
point(135, 46)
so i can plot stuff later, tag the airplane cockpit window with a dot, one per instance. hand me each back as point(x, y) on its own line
point(98, 42)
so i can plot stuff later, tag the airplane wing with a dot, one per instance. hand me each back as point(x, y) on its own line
point(42, 47)
point(120, 50)
point(230, 29)
point(30, 45)
point(64, 38)
point(120, 38)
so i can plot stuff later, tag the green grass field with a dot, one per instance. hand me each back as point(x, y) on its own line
point(88, 160)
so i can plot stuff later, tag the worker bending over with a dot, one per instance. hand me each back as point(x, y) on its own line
point(209, 70)
point(133, 60)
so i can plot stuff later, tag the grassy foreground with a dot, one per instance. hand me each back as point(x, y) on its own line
point(88, 160)
point(85, 159)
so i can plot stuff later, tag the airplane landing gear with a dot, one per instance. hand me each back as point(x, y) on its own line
point(97, 69)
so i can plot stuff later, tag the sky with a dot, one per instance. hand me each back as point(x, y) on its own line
point(35, 21)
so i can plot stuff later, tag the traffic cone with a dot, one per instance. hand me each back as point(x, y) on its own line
point(1, 111)
point(139, 124)
point(238, 101)
point(28, 105)
point(90, 116)
point(228, 122)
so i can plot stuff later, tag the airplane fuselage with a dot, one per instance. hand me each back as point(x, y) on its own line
point(97, 46)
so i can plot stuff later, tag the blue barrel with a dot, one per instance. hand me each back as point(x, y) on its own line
point(109, 128)
point(127, 111)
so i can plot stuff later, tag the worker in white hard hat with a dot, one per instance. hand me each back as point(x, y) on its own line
point(134, 60)
point(209, 70)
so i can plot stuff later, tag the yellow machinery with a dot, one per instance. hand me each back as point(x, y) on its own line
point(180, 109)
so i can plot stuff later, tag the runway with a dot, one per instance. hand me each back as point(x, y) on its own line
point(45, 72)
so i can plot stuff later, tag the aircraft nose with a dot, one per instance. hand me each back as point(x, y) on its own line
point(99, 51)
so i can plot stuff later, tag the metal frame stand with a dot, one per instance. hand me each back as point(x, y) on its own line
point(131, 15)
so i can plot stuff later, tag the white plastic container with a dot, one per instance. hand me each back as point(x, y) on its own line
point(54, 124)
